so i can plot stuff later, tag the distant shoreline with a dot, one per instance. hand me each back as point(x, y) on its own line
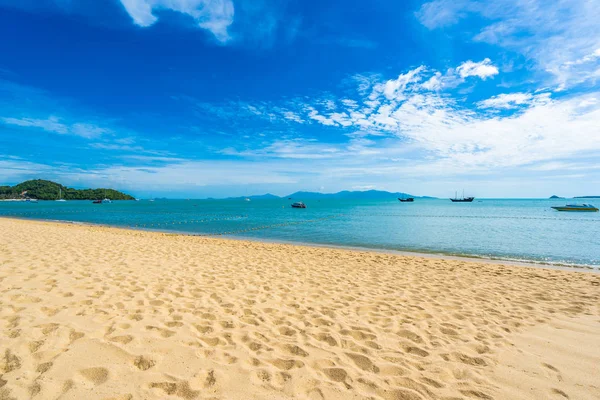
point(429, 255)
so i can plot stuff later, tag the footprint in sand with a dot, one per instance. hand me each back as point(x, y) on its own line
point(124, 339)
point(363, 362)
point(44, 367)
point(10, 362)
point(143, 363)
point(96, 375)
point(336, 374)
point(179, 389)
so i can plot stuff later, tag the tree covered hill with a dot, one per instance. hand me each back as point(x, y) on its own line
point(48, 190)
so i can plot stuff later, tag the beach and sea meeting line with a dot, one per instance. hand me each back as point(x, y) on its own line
point(520, 230)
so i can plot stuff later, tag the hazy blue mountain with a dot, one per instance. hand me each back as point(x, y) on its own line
point(353, 195)
point(267, 196)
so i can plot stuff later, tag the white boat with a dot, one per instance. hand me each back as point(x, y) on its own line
point(577, 207)
point(106, 201)
point(60, 195)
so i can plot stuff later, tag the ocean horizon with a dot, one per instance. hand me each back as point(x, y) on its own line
point(519, 230)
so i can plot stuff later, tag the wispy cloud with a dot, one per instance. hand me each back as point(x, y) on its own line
point(513, 100)
point(55, 125)
point(213, 15)
point(450, 135)
point(556, 35)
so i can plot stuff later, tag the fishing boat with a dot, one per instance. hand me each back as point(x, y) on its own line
point(462, 199)
point(298, 204)
point(577, 208)
point(406, 200)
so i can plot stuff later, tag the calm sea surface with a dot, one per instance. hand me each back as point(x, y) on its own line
point(527, 230)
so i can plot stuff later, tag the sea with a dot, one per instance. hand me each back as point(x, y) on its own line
point(521, 230)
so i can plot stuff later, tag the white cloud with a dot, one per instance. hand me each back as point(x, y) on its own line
point(434, 83)
point(213, 15)
point(506, 101)
point(396, 87)
point(440, 13)
point(292, 116)
point(483, 69)
point(448, 135)
point(53, 124)
point(555, 35)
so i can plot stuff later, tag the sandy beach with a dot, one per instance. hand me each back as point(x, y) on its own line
point(89, 312)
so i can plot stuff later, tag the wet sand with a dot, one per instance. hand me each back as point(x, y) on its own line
point(105, 313)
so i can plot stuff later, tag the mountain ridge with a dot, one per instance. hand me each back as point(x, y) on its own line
point(344, 194)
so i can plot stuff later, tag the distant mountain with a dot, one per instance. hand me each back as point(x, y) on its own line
point(586, 197)
point(48, 190)
point(350, 195)
point(267, 196)
point(343, 195)
point(556, 197)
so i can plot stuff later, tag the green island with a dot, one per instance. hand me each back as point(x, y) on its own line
point(47, 190)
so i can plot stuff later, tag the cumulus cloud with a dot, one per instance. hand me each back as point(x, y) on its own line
point(213, 15)
point(483, 69)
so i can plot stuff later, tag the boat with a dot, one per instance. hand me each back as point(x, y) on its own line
point(106, 200)
point(298, 204)
point(577, 207)
point(463, 199)
point(97, 201)
point(60, 195)
point(407, 200)
point(30, 200)
point(247, 199)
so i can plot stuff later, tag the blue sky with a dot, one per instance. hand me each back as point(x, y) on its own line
point(196, 98)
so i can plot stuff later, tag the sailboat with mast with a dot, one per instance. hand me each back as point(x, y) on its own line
point(463, 199)
point(106, 199)
point(60, 195)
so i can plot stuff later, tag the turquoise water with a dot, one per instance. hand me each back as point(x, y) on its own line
point(527, 230)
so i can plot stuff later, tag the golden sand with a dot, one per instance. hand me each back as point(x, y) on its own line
point(103, 313)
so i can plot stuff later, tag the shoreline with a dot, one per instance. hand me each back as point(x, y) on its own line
point(408, 253)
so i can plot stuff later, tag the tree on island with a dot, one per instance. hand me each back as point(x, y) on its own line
point(47, 190)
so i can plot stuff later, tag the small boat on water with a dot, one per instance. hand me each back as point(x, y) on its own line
point(298, 204)
point(407, 200)
point(60, 195)
point(97, 201)
point(107, 201)
point(577, 207)
point(462, 199)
